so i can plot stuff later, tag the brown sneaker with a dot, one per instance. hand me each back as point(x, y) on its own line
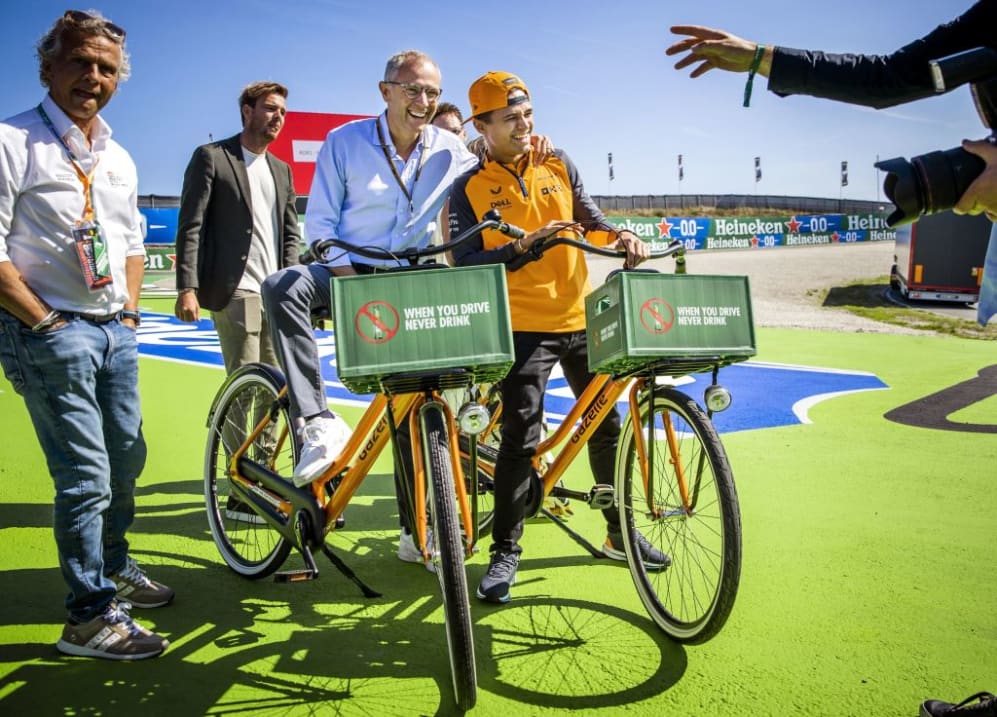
point(135, 587)
point(112, 635)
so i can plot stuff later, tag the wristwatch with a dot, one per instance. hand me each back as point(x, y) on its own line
point(133, 315)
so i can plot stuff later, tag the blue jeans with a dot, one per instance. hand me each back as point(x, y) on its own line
point(80, 385)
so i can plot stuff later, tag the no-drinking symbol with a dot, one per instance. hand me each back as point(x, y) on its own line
point(376, 322)
point(657, 316)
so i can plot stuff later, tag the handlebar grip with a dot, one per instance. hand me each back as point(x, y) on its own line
point(510, 230)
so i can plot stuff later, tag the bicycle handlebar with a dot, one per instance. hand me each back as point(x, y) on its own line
point(536, 250)
point(491, 220)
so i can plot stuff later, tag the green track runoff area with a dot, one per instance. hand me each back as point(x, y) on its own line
point(867, 585)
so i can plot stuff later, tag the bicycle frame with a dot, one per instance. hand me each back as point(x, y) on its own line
point(586, 415)
point(365, 445)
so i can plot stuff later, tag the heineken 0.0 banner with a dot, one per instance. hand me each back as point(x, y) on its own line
point(701, 233)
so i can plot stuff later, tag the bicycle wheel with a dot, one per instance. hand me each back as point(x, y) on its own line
point(691, 599)
point(247, 544)
point(449, 556)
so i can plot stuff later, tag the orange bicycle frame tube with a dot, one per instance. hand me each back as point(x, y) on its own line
point(674, 456)
point(368, 440)
point(590, 410)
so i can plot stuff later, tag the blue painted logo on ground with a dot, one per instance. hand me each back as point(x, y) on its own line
point(765, 395)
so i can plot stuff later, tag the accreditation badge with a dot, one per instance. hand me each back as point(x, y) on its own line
point(91, 248)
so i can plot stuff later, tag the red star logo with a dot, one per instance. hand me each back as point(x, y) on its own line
point(793, 226)
point(664, 228)
point(173, 261)
point(835, 237)
point(754, 242)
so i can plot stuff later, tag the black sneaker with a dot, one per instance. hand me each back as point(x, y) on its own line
point(983, 704)
point(501, 575)
point(653, 558)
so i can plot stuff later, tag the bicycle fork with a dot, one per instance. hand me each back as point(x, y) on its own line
point(647, 445)
point(417, 421)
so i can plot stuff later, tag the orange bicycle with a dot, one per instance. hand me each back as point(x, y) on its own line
point(673, 481)
point(382, 348)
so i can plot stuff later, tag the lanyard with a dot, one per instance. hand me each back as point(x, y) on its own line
point(394, 170)
point(85, 179)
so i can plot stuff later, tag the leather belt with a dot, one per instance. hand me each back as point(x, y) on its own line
point(365, 269)
point(93, 318)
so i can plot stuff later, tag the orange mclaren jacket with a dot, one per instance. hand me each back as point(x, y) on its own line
point(547, 295)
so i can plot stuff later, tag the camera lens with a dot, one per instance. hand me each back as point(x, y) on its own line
point(929, 183)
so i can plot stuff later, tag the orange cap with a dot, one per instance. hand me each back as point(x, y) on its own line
point(491, 92)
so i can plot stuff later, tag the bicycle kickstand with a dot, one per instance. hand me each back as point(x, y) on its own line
point(573, 534)
point(348, 573)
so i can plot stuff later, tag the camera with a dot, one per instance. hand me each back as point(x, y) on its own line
point(929, 183)
point(933, 182)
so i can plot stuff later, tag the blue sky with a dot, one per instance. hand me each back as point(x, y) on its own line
point(597, 73)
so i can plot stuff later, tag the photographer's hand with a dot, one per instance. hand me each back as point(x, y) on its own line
point(716, 49)
point(981, 195)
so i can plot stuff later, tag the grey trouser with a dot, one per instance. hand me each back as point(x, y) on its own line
point(243, 331)
point(289, 296)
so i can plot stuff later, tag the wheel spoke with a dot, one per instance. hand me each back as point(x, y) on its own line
point(248, 546)
point(691, 599)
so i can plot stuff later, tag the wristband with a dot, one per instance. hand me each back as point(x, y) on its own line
point(133, 315)
point(518, 245)
point(755, 62)
point(186, 291)
point(50, 318)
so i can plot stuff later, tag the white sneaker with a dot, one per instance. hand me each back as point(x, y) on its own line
point(411, 554)
point(322, 440)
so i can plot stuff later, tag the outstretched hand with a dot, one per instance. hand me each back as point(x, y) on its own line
point(713, 48)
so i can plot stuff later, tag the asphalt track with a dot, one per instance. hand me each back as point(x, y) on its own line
point(867, 584)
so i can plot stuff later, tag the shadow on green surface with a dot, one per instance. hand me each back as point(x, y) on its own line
point(261, 648)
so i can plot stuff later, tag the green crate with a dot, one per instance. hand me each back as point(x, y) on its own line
point(423, 320)
point(689, 321)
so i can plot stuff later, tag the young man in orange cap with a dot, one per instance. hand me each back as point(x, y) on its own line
point(546, 301)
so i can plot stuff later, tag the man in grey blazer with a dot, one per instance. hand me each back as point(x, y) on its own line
point(237, 225)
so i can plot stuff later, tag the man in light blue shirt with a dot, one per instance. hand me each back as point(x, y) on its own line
point(356, 197)
point(379, 183)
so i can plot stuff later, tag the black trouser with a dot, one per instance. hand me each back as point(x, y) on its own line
point(522, 415)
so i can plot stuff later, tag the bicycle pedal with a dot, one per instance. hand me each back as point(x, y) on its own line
point(601, 497)
point(295, 576)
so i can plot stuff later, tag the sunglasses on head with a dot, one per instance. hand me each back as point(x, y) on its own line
point(78, 16)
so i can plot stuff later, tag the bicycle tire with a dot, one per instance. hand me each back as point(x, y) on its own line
point(449, 555)
point(250, 548)
point(692, 599)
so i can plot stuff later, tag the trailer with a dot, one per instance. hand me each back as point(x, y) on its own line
point(940, 257)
